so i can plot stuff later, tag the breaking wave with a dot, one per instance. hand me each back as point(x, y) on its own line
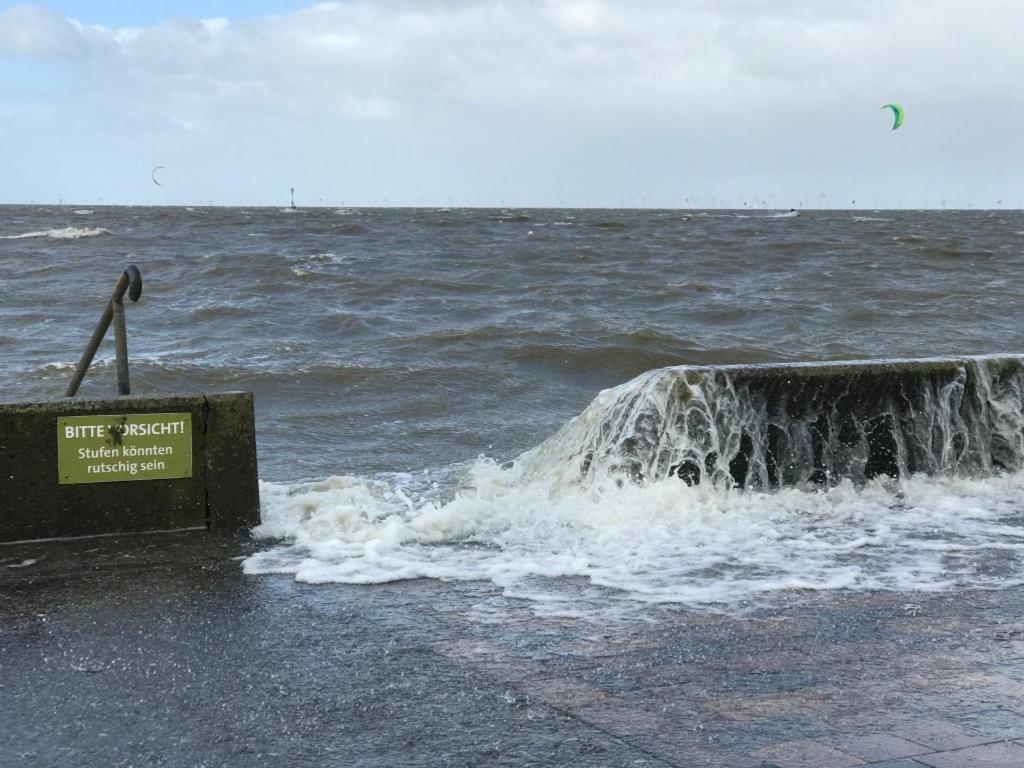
point(606, 501)
point(64, 233)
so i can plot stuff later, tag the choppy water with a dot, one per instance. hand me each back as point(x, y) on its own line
point(390, 348)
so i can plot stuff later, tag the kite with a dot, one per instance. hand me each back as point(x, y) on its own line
point(152, 175)
point(897, 113)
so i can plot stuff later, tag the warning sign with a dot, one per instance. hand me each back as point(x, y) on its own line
point(132, 446)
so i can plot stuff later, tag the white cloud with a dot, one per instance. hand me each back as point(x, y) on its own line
point(32, 31)
point(545, 77)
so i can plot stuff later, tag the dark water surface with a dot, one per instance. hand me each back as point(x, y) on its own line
point(401, 339)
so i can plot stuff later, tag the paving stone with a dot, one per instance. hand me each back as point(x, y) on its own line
point(1002, 754)
point(878, 746)
point(488, 657)
point(997, 723)
point(615, 716)
point(129, 637)
point(693, 754)
point(562, 692)
point(939, 734)
point(769, 706)
point(807, 753)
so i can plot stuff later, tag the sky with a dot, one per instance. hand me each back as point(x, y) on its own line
point(607, 103)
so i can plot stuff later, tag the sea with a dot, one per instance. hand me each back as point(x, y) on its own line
point(412, 365)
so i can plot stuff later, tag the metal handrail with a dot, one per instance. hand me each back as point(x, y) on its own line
point(130, 281)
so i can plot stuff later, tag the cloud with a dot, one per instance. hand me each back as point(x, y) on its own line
point(507, 71)
point(588, 53)
point(32, 31)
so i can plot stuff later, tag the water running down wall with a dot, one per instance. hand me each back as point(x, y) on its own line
point(725, 487)
point(766, 426)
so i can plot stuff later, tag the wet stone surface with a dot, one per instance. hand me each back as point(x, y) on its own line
point(158, 651)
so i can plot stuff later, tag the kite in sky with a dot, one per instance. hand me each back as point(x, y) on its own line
point(897, 113)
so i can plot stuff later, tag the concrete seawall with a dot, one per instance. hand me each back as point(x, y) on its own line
point(767, 426)
point(84, 467)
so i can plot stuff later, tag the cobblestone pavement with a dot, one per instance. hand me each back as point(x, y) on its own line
point(157, 651)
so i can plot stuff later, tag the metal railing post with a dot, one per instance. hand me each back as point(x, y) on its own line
point(130, 281)
point(120, 347)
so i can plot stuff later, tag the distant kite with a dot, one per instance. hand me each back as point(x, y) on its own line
point(897, 113)
point(152, 175)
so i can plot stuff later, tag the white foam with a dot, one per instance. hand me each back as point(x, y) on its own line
point(83, 212)
point(23, 564)
point(328, 257)
point(662, 543)
point(57, 365)
point(65, 233)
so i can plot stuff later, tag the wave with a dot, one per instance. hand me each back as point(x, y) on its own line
point(590, 360)
point(350, 229)
point(327, 256)
point(270, 375)
point(506, 216)
point(666, 542)
point(602, 500)
point(800, 424)
point(65, 233)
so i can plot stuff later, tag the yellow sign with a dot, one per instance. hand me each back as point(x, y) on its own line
point(130, 446)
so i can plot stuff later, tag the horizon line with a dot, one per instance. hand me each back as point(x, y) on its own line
point(502, 206)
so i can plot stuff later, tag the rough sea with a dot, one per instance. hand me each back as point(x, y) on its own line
point(409, 365)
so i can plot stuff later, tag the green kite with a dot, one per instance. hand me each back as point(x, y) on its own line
point(897, 113)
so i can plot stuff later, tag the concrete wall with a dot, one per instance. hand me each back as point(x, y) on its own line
point(222, 492)
point(765, 426)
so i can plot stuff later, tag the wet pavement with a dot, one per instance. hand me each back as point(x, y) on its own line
point(157, 651)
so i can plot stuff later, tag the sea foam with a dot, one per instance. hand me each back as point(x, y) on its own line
point(561, 511)
point(665, 542)
point(64, 233)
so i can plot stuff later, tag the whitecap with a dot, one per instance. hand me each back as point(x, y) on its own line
point(662, 543)
point(65, 233)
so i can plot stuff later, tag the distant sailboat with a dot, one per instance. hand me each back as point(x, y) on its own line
point(293, 198)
